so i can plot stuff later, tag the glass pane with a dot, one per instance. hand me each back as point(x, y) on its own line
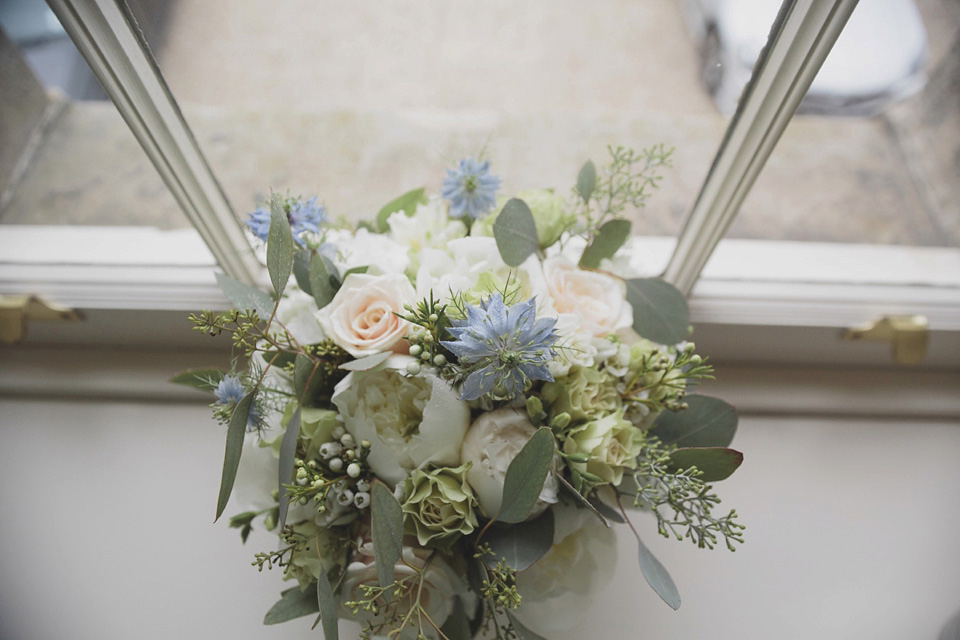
point(873, 154)
point(67, 157)
point(359, 102)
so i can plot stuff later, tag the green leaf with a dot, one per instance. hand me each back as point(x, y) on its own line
point(327, 604)
point(243, 296)
point(301, 270)
point(660, 311)
point(525, 477)
point(606, 510)
point(360, 270)
point(366, 363)
point(522, 632)
point(522, 544)
point(280, 359)
point(579, 499)
point(203, 379)
point(322, 280)
point(407, 203)
point(288, 450)
point(457, 626)
point(658, 577)
point(293, 604)
point(610, 237)
point(586, 180)
point(279, 246)
point(306, 380)
point(515, 232)
point(231, 457)
point(387, 531)
point(706, 422)
point(716, 463)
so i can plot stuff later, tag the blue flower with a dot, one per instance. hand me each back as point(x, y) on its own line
point(470, 189)
point(229, 392)
point(502, 347)
point(304, 215)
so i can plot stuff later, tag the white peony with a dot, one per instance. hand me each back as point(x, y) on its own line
point(428, 227)
point(558, 588)
point(598, 300)
point(362, 248)
point(361, 317)
point(409, 420)
point(491, 444)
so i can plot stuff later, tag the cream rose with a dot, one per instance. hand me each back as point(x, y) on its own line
point(441, 585)
point(491, 444)
point(361, 319)
point(598, 300)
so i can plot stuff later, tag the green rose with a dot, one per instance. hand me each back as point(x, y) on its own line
point(549, 215)
point(319, 549)
point(316, 427)
point(612, 443)
point(438, 503)
point(584, 393)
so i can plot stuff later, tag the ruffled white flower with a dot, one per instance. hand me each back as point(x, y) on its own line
point(381, 253)
point(491, 444)
point(559, 587)
point(428, 227)
point(408, 420)
point(297, 312)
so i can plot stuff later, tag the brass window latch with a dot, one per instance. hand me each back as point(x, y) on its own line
point(17, 311)
point(907, 334)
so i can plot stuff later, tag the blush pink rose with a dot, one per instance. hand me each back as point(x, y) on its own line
point(596, 299)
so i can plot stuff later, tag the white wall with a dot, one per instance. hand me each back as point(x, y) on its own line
point(106, 533)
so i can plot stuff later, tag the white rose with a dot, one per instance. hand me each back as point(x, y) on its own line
point(558, 588)
point(597, 299)
point(491, 444)
point(441, 584)
point(408, 420)
point(361, 319)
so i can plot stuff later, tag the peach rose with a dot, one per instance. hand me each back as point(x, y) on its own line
point(361, 319)
point(596, 299)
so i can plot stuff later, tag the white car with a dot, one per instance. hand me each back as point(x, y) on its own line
point(878, 58)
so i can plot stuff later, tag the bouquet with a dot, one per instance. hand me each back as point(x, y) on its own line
point(443, 411)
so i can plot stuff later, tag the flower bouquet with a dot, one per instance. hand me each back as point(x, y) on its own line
point(442, 412)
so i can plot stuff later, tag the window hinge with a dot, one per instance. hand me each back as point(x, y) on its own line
point(16, 311)
point(907, 334)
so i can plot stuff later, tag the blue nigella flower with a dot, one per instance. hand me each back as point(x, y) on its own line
point(502, 347)
point(229, 392)
point(304, 215)
point(470, 188)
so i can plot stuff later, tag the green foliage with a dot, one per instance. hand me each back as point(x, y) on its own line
point(327, 605)
point(288, 450)
point(386, 530)
point(279, 246)
point(608, 239)
point(586, 180)
point(515, 232)
point(203, 379)
point(580, 499)
point(682, 503)
point(713, 463)
point(301, 270)
point(324, 280)
point(706, 422)
point(525, 477)
point(244, 522)
point(657, 576)
point(244, 297)
point(231, 456)
point(407, 203)
point(660, 312)
point(499, 586)
point(293, 604)
point(522, 544)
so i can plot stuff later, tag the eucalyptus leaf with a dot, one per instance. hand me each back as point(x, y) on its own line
point(301, 270)
point(716, 463)
point(657, 576)
point(587, 180)
point(279, 359)
point(407, 203)
point(203, 379)
point(606, 510)
point(660, 312)
point(609, 238)
point(525, 477)
point(306, 379)
point(327, 604)
point(293, 604)
point(243, 296)
point(706, 422)
point(580, 499)
point(522, 544)
point(522, 632)
point(321, 286)
point(366, 363)
point(360, 270)
point(457, 626)
point(279, 246)
point(288, 450)
point(387, 531)
point(231, 457)
point(515, 232)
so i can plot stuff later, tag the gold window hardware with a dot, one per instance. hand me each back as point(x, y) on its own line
point(17, 311)
point(907, 334)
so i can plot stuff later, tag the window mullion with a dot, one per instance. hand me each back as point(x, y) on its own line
point(801, 38)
